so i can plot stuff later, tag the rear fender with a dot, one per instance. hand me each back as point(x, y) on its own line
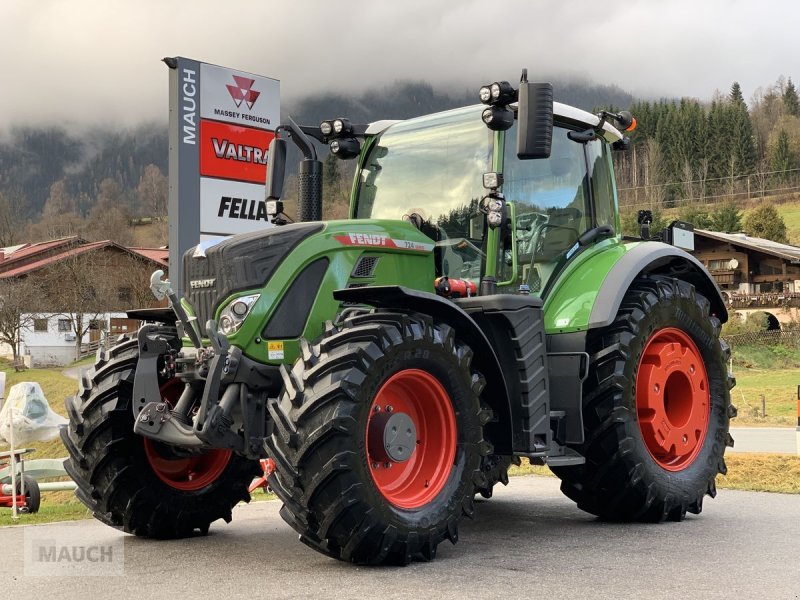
point(590, 290)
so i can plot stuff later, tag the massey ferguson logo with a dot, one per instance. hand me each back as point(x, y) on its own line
point(202, 283)
point(243, 92)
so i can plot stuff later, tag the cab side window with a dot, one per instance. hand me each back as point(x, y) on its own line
point(601, 171)
point(552, 204)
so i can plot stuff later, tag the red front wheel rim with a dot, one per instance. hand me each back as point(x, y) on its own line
point(673, 399)
point(416, 481)
point(186, 474)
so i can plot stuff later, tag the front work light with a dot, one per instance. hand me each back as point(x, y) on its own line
point(345, 148)
point(498, 118)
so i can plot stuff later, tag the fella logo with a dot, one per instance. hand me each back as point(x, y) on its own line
point(243, 92)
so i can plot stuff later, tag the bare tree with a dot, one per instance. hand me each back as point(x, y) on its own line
point(109, 220)
point(152, 192)
point(12, 213)
point(702, 176)
point(18, 298)
point(688, 180)
point(78, 288)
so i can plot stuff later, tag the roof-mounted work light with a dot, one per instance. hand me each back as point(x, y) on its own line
point(499, 93)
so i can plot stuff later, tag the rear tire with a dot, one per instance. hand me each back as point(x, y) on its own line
point(342, 501)
point(633, 473)
point(115, 475)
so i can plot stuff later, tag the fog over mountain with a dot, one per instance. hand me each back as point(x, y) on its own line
point(94, 62)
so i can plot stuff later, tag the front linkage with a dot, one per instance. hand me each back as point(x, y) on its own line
point(234, 419)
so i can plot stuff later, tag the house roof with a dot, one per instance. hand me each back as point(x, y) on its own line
point(784, 251)
point(159, 255)
point(49, 253)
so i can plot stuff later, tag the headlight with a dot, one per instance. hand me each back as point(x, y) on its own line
point(485, 94)
point(233, 315)
point(325, 128)
point(338, 126)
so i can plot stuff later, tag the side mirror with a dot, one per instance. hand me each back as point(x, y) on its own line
point(276, 168)
point(534, 120)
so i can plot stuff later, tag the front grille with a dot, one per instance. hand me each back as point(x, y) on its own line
point(239, 263)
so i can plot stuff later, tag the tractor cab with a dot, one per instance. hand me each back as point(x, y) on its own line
point(440, 172)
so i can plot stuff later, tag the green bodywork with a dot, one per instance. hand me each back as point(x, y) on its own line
point(409, 267)
point(568, 301)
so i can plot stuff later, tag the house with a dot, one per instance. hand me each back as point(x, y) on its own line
point(72, 294)
point(754, 274)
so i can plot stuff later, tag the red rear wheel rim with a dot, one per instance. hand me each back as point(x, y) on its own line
point(672, 399)
point(186, 474)
point(419, 479)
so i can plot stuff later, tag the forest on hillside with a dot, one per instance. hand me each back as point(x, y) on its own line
point(97, 183)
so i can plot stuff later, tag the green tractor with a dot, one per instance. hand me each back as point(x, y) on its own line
point(479, 306)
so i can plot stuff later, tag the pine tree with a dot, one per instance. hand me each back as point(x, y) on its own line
point(736, 96)
point(790, 100)
point(781, 158)
point(720, 124)
point(766, 222)
point(726, 218)
point(694, 214)
point(744, 147)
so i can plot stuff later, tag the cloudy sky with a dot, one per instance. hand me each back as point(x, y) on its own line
point(97, 61)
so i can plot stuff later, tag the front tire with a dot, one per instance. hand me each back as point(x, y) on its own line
point(340, 492)
point(132, 483)
point(656, 408)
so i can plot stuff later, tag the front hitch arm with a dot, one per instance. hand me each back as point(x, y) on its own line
point(161, 289)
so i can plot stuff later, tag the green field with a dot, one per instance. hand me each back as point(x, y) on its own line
point(790, 211)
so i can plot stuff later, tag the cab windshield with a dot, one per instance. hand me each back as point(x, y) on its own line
point(430, 170)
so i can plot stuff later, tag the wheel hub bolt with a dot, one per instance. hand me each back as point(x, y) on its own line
point(656, 388)
point(389, 408)
point(387, 465)
point(685, 438)
point(691, 369)
point(375, 465)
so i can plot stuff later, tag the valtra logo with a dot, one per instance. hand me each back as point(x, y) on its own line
point(243, 91)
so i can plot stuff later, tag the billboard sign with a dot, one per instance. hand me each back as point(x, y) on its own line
point(220, 127)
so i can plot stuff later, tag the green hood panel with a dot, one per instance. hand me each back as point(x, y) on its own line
point(404, 256)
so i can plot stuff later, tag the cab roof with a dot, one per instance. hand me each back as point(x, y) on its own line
point(562, 113)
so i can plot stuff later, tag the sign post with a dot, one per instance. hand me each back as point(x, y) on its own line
point(221, 122)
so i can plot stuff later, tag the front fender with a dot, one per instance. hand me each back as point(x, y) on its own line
point(499, 432)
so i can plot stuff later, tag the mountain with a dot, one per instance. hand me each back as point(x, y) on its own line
point(32, 158)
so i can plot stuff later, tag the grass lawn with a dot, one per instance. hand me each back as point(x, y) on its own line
point(772, 370)
point(790, 211)
point(754, 472)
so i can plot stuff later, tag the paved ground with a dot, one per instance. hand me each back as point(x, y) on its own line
point(765, 439)
point(528, 541)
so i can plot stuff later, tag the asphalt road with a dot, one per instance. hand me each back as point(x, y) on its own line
point(528, 541)
point(765, 439)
